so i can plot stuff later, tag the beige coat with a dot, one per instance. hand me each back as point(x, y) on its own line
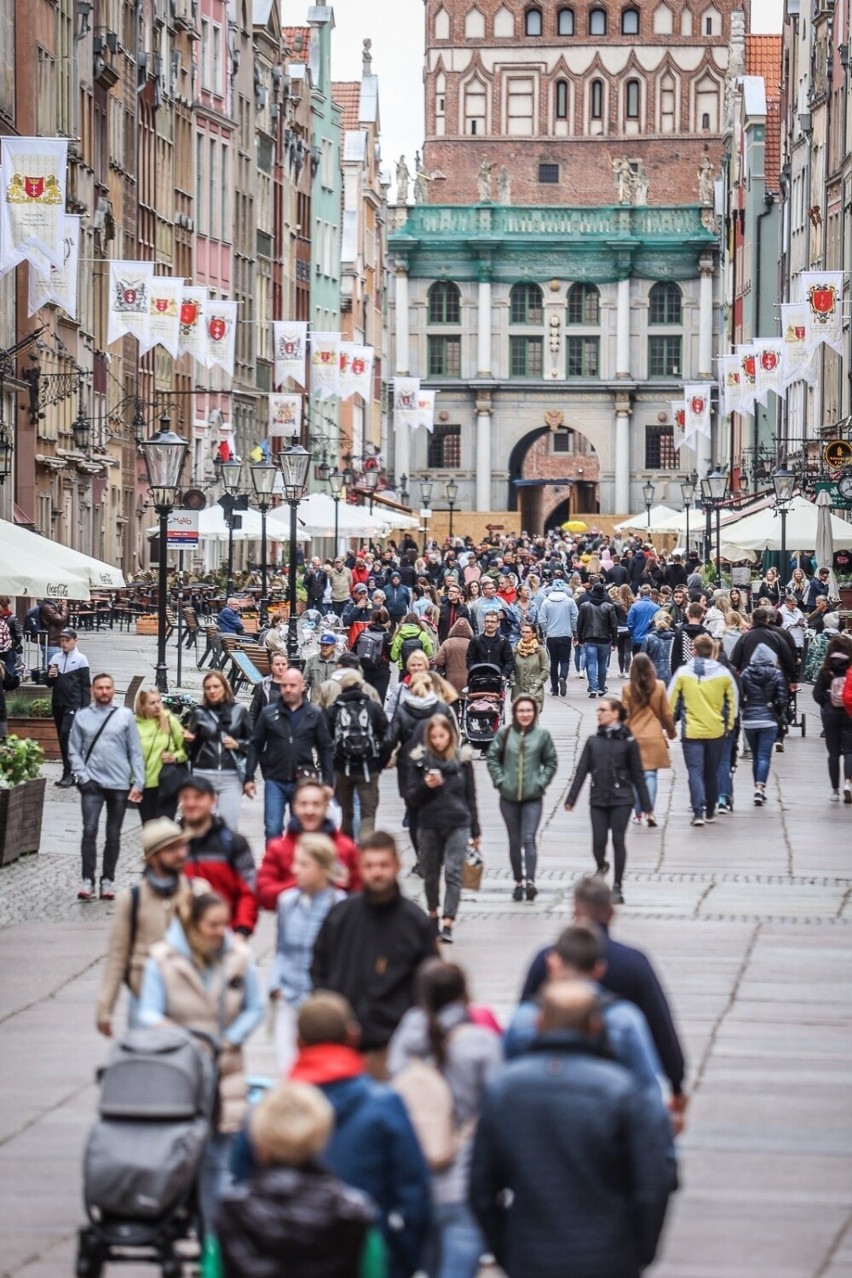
point(211, 1009)
point(650, 726)
point(153, 917)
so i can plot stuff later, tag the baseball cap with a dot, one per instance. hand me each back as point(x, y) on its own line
point(160, 833)
point(328, 638)
point(360, 588)
point(200, 784)
point(68, 633)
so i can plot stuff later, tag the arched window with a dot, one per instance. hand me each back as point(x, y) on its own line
point(532, 22)
point(597, 99)
point(526, 304)
point(631, 100)
point(597, 22)
point(665, 304)
point(629, 21)
point(565, 22)
point(562, 99)
point(444, 303)
point(475, 108)
point(584, 304)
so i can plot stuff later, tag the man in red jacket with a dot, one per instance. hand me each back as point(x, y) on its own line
point(309, 808)
point(217, 854)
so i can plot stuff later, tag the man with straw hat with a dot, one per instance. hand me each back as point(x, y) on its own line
point(143, 912)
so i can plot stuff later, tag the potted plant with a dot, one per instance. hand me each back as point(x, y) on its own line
point(21, 798)
point(31, 718)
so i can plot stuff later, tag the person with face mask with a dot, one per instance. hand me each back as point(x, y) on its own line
point(142, 915)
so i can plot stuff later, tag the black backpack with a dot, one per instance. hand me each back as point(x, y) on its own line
point(368, 649)
point(32, 622)
point(414, 644)
point(354, 739)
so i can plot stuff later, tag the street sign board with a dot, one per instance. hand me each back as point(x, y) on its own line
point(837, 452)
point(183, 529)
point(834, 496)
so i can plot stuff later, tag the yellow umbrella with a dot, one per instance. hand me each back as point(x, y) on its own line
point(575, 525)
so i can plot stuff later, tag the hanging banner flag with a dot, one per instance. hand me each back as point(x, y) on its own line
point(60, 283)
point(697, 398)
point(285, 416)
point(730, 380)
point(822, 292)
point(192, 325)
point(405, 394)
point(768, 375)
point(325, 364)
point(425, 414)
point(221, 334)
point(797, 363)
point(165, 299)
point(33, 198)
point(679, 422)
point(289, 344)
point(127, 306)
point(748, 376)
point(356, 370)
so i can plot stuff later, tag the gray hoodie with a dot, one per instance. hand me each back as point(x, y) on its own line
point(116, 762)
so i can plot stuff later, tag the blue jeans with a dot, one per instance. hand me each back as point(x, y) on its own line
point(701, 757)
point(597, 661)
point(760, 742)
point(579, 657)
point(214, 1177)
point(276, 799)
point(455, 1243)
point(651, 783)
point(725, 780)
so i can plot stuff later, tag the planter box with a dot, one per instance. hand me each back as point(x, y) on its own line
point(21, 811)
point(146, 624)
point(41, 731)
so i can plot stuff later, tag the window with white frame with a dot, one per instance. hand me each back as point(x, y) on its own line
point(520, 106)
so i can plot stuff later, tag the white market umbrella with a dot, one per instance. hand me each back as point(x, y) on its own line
point(212, 525)
point(95, 571)
point(762, 530)
point(659, 515)
point(315, 515)
point(824, 544)
point(35, 576)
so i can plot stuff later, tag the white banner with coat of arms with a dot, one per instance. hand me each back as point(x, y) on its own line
point(221, 334)
point(165, 298)
point(822, 291)
point(127, 307)
point(768, 353)
point(697, 398)
point(32, 210)
point(59, 285)
point(356, 370)
point(289, 341)
point(192, 329)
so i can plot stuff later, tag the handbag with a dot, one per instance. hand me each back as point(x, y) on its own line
point(473, 867)
point(172, 777)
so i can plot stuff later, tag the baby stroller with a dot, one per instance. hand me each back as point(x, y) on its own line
point(483, 705)
point(158, 1096)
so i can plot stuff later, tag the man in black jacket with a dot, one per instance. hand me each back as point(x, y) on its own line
point(316, 581)
point(597, 631)
point(571, 1170)
point(359, 729)
point(675, 572)
point(453, 609)
point(617, 575)
point(370, 946)
point(763, 631)
point(491, 646)
point(71, 680)
point(290, 739)
point(629, 975)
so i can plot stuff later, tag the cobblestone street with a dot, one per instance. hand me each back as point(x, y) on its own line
point(748, 921)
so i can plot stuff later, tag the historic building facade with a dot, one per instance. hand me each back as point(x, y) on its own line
point(558, 275)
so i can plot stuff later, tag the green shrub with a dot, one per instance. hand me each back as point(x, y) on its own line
point(18, 707)
point(20, 760)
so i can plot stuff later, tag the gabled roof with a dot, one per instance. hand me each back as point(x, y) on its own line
point(347, 95)
point(763, 58)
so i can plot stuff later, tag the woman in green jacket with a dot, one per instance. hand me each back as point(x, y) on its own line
point(522, 763)
point(532, 666)
point(410, 636)
point(162, 742)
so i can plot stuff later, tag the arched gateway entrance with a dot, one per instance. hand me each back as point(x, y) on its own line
point(554, 475)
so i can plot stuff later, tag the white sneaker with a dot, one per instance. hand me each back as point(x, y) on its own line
point(835, 796)
point(107, 890)
point(847, 792)
point(86, 891)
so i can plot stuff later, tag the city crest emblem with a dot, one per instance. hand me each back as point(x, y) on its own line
point(823, 301)
point(217, 328)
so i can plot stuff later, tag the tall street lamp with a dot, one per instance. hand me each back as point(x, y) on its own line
point(263, 477)
point(231, 473)
point(294, 463)
point(648, 491)
point(370, 479)
point(714, 491)
point(687, 490)
point(403, 493)
point(784, 483)
point(452, 491)
point(164, 455)
point(425, 502)
point(336, 483)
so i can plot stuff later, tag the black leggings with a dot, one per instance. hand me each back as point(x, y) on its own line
point(604, 820)
point(625, 646)
point(838, 743)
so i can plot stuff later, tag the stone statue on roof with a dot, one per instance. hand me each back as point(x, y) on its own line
point(706, 189)
point(403, 177)
point(483, 182)
point(504, 186)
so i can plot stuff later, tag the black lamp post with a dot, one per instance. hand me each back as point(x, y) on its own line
point(5, 452)
point(336, 483)
point(294, 463)
point(714, 491)
point(425, 501)
point(452, 491)
point(687, 489)
point(231, 473)
point(404, 494)
point(263, 477)
point(164, 455)
point(648, 491)
point(784, 483)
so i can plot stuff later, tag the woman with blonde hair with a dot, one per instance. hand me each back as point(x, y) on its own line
point(657, 645)
point(163, 744)
point(650, 722)
point(734, 630)
point(219, 734)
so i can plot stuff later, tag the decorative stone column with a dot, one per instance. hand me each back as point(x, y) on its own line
point(483, 330)
point(705, 319)
point(622, 330)
point(483, 453)
point(621, 455)
point(403, 356)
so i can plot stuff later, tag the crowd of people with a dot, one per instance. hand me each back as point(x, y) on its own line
point(442, 1135)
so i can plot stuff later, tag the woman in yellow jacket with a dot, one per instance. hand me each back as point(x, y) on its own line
point(162, 742)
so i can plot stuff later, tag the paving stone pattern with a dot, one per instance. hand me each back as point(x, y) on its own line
point(747, 921)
